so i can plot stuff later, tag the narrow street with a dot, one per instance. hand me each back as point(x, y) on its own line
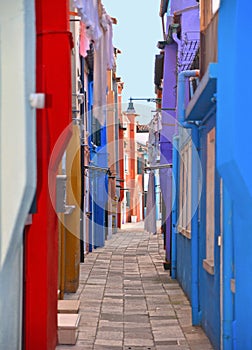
point(128, 301)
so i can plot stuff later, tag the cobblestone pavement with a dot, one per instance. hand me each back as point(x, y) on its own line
point(129, 302)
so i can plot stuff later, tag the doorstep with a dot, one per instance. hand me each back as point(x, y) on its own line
point(68, 328)
point(68, 306)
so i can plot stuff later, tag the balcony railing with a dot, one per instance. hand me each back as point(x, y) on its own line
point(209, 44)
point(189, 48)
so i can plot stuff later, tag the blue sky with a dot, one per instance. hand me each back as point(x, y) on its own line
point(136, 34)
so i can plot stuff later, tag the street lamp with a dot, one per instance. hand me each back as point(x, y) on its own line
point(131, 109)
point(148, 99)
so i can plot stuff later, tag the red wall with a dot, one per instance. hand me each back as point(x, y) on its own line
point(53, 77)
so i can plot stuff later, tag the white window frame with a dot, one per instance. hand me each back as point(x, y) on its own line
point(208, 263)
point(185, 189)
point(126, 163)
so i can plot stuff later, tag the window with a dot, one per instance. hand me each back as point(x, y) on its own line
point(185, 184)
point(126, 163)
point(210, 202)
point(128, 199)
point(139, 166)
point(96, 132)
point(145, 199)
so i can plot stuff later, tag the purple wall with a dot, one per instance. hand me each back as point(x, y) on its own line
point(190, 31)
point(168, 101)
point(177, 5)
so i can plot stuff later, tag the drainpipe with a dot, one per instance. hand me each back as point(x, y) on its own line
point(178, 41)
point(175, 207)
point(227, 297)
point(182, 76)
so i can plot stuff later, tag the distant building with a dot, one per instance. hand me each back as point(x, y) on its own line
point(133, 206)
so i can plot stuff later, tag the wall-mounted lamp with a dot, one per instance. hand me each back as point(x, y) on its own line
point(148, 99)
point(173, 28)
point(131, 109)
point(157, 167)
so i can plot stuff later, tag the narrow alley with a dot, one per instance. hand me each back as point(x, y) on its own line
point(125, 175)
point(128, 301)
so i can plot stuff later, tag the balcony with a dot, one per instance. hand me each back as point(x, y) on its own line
point(208, 44)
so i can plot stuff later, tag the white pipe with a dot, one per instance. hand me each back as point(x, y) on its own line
point(178, 41)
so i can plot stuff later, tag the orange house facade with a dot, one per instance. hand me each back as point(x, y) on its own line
point(132, 206)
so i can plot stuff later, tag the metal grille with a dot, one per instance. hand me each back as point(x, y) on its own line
point(189, 48)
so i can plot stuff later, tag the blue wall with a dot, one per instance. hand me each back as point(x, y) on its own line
point(98, 180)
point(234, 153)
point(184, 266)
point(209, 290)
point(208, 305)
point(234, 165)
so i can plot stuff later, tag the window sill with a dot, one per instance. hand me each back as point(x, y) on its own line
point(184, 232)
point(208, 265)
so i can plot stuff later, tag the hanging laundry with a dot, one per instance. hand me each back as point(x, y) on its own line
point(100, 81)
point(103, 61)
point(153, 141)
point(97, 28)
point(88, 11)
point(150, 219)
point(84, 40)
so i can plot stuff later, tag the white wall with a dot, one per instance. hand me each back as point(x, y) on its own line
point(17, 157)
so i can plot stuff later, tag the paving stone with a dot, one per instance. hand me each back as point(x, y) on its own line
point(162, 313)
point(197, 339)
point(105, 347)
point(139, 348)
point(133, 312)
point(137, 326)
point(166, 342)
point(136, 318)
point(164, 317)
point(159, 324)
point(129, 302)
point(87, 333)
point(109, 335)
point(107, 342)
point(138, 342)
point(76, 347)
point(201, 346)
point(174, 347)
point(110, 329)
point(112, 309)
point(112, 317)
point(134, 334)
point(90, 322)
point(106, 323)
point(171, 331)
point(82, 344)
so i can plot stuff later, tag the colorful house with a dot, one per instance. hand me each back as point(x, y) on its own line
point(233, 161)
point(178, 48)
point(97, 27)
point(18, 103)
point(195, 258)
point(212, 191)
point(191, 216)
point(53, 120)
point(45, 191)
point(133, 169)
point(120, 161)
